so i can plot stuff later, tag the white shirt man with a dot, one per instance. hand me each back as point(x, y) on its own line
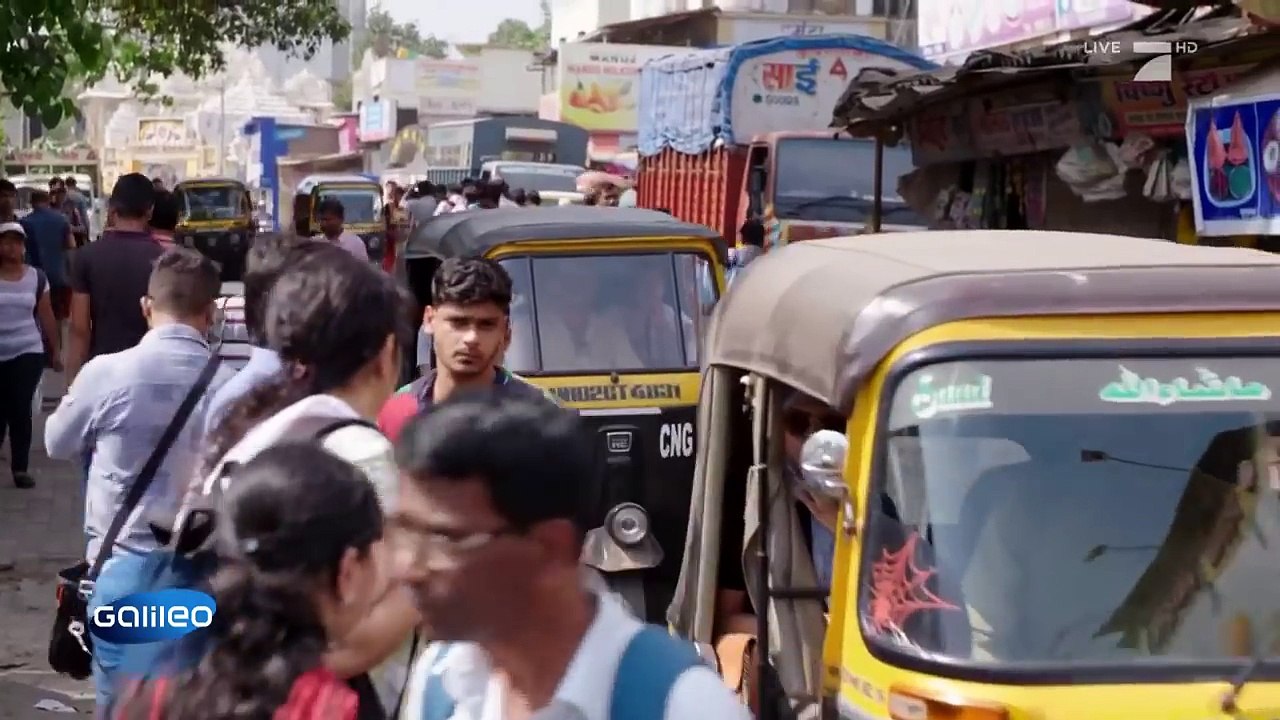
point(587, 690)
point(350, 242)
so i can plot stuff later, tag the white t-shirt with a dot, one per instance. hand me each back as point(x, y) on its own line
point(350, 242)
point(585, 691)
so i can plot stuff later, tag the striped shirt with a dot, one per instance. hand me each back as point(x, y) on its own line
point(230, 332)
point(19, 333)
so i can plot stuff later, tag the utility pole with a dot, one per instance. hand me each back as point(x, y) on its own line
point(222, 127)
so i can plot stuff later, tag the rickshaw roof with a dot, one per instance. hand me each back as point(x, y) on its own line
point(210, 181)
point(474, 232)
point(308, 183)
point(819, 315)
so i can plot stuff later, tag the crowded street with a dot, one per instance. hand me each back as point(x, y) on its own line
point(604, 360)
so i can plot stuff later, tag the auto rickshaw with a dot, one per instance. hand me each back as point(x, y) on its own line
point(215, 216)
point(361, 199)
point(587, 281)
point(1049, 463)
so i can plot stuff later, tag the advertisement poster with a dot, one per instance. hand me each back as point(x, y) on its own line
point(600, 83)
point(950, 28)
point(1235, 166)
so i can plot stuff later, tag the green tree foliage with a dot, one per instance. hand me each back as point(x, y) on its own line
point(386, 38)
point(517, 34)
point(46, 45)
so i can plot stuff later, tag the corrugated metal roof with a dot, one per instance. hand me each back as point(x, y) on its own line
point(876, 98)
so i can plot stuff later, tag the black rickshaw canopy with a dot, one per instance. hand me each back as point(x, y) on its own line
point(474, 232)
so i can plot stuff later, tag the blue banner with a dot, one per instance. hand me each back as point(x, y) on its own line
point(1235, 166)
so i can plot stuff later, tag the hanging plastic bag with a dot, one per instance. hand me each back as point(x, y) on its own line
point(1135, 149)
point(1085, 163)
point(1093, 171)
point(1180, 179)
point(1158, 186)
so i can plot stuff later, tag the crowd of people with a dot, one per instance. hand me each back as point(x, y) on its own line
point(374, 551)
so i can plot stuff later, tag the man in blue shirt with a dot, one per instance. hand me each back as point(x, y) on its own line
point(114, 413)
point(48, 240)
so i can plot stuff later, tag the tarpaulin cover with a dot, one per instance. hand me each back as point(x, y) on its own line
point(686, 98)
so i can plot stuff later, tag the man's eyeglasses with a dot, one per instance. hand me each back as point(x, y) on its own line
point(419, 544)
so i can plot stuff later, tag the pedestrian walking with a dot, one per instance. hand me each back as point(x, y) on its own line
point(332, 217)
point(28, 341)
point(243, 331)
point(299, 548)
point(470, 327)
point(337, 326)
point(49, 242)
point(109, 278)
point(115, 414)
point(488, 534)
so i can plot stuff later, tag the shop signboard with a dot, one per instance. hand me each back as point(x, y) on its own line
point(950, 28)
point(600, 83)
point(1084, 14)
point(999, 124)
point(446, 88)
point(1158, 109)
point(1234, 150)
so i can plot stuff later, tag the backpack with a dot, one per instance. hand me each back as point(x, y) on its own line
point(187, 560)
point(648, 670)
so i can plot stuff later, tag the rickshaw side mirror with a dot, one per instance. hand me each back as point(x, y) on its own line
point(822, 462)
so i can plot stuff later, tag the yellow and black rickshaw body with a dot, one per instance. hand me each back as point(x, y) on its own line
point(361, 198)
point(215, 216)
point(641, 419)
point(1046, 452)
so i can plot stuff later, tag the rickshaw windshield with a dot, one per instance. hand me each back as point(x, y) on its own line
point(603, 313)
point(360, 206)
point(1078, 511)
point(211, 202)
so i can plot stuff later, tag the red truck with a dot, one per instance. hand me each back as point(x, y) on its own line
point(739, 132)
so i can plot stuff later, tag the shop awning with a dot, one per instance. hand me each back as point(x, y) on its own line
point(875, 99)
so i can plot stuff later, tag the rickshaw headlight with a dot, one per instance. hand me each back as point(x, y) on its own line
point(628, 524)
point(235, 239)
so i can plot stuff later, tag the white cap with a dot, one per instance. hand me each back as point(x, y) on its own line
point(12, 227)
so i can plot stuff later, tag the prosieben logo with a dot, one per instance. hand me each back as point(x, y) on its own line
point(149, 617)
point(1158, 68)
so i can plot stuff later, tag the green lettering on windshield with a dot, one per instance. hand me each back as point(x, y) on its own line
point(1133, 388)
point(929, 400)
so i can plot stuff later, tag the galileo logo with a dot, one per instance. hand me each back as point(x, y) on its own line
point(149, 617)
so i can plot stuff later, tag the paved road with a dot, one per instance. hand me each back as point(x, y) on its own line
point(41, 531)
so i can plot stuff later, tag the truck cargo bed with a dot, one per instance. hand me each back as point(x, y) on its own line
point(695, 188)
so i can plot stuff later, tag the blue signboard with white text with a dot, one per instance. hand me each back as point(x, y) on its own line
point(1235, 166)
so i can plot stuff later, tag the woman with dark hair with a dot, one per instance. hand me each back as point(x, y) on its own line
point(298, 537)
point(338, 325)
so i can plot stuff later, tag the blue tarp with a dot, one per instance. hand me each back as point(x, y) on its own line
point(686, 98)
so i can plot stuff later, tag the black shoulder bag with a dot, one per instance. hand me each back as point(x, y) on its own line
point(70, 645)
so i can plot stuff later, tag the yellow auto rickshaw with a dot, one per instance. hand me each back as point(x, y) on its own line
point(361, 200)
point(215, 216)
point(608, 315)
point(1049, 464)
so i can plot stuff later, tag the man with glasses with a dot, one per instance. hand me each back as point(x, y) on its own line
point(487, 535)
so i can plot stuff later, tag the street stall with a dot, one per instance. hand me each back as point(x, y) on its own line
point(1063, 137)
